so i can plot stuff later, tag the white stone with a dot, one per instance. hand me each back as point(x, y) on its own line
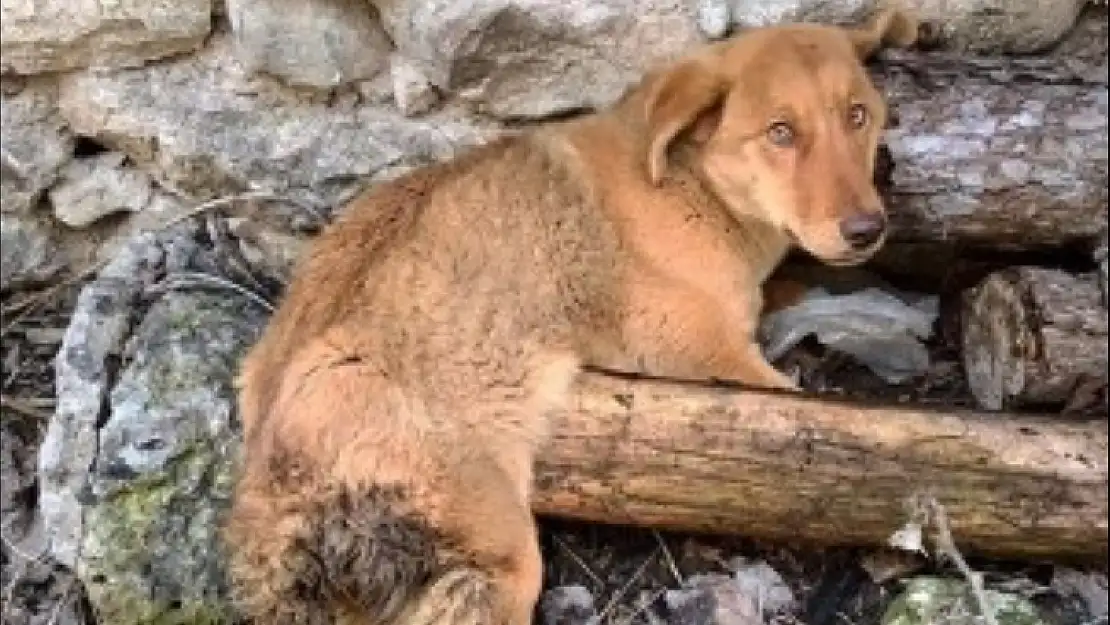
point(60, 35)
point(319, 44)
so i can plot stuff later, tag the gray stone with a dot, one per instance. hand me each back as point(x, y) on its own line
point(59, 35)
point(1090, 587)
point(34, 142)
point(753, 595)
point(136, 464)
point(94, 187)
point(760, 580)
point(29, 253)
point(319, 44)
point(524, 59)
point(209, 131)
point(568, 605)
point(989, 26)
point(412, 91)
point(712, 599)
point(83, 370)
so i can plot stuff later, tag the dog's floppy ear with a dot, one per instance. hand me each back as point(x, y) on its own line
point(892, 25)
point(676, 98)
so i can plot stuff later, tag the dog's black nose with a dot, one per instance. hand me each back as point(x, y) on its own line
point(862, 230)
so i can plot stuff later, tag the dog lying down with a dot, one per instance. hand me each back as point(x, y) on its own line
point(394, 405)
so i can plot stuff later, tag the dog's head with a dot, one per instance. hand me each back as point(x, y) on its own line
point(784, 123)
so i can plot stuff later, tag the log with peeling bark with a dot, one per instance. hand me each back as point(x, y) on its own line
point(1002, 153)
point(1035, 337)
point(694, 457)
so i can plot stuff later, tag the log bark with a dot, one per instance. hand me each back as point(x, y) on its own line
point(1005, 153)
point(692, 457)
point(1034, 337)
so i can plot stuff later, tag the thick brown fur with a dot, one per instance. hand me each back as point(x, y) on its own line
point(393, 407)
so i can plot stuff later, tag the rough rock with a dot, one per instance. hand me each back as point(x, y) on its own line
point(29, 251)
point(986, 26)
point(568, 605)
point(312, 44)
point(59, 35)
point(529, 58)
point(135, 465)
point(97, 186)
point(35, 142)
point(208, 131)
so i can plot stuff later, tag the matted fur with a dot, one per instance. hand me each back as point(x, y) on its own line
point(394, 405)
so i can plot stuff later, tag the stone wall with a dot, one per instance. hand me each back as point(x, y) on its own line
point(120, 117)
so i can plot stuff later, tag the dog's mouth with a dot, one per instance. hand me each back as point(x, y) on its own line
point(845, 258)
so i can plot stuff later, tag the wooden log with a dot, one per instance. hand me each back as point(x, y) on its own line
point(692, 457)
point(1004, 153)
point(1034, 337)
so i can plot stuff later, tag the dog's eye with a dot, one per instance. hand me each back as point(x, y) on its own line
point(857, 116)
point(781, 134)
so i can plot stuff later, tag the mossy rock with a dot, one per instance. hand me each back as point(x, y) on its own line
point(151, 553)
point(948, 601)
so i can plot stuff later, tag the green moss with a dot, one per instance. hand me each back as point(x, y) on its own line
point(132, 532)
point(943, 601)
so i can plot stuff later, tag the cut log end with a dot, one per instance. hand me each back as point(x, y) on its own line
point(1034, 337)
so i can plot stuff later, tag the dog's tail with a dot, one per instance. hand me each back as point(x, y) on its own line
point(346, 560)
point(892, 25)
point(461, 596)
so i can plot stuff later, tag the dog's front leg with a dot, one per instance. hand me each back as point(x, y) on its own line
point(676, 331)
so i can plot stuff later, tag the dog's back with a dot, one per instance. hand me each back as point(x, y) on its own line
point(387, 365)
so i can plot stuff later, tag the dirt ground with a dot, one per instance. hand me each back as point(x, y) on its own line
point(626, 571)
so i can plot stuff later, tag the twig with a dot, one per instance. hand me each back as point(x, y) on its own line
point(26, 306)
point(226, 200)
point(185, 279)
point(668, 558)
point(94, 268)
point(640, 609)
point(947, 547)
point(617, 596)
point(23, 407)
point(577, 559)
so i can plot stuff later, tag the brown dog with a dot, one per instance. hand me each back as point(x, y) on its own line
point(394, 406)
